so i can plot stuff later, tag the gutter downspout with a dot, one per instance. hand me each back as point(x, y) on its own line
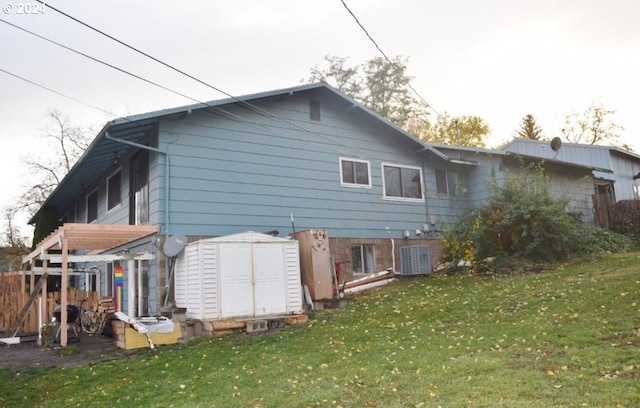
point(166, 172)
point(393, 255)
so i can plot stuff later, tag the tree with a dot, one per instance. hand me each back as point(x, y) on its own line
point(594, 126)
point(67, 143)
point(14, 246)
point(345, 79)
point(529, 128)
point(467, 131)
point(380, 85)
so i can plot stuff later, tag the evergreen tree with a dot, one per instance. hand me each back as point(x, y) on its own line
point(529, 129)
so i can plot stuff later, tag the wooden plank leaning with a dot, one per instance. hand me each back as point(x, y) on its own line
point(16, 326)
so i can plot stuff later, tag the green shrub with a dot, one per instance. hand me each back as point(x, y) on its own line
point(522, 219)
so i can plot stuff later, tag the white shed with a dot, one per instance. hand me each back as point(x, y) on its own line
point(241, 275)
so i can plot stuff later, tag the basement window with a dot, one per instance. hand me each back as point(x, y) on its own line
point(362, 259)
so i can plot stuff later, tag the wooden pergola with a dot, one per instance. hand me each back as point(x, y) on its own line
point(93, 240)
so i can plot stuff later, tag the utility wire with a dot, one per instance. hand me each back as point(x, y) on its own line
point(100, 61)
point(247, 104)
point(58, 93)
point(385, 56)
point(229, 115)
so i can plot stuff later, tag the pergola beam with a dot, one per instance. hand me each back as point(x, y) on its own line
point(96, 238)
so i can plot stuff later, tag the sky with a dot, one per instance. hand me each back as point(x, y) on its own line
point(497, 59)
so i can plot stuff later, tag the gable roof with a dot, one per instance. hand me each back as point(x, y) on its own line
point(119, 134)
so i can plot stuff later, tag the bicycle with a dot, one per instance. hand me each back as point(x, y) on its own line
point(90, 320)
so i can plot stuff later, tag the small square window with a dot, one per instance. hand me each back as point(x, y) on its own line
point(354, 173)
point(447, 183)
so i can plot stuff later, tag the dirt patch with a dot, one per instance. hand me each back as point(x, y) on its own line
point(29, 354)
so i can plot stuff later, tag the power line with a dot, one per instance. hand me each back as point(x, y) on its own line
point(385, 56)
point(248, 104)
point(58, 93)
point(230, 115)
point(100, 61)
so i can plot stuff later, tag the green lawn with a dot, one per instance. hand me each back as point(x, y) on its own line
point(561, 338)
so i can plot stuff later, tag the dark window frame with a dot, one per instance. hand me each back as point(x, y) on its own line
point(92, 206)
point(314, 110)
point(114, 193)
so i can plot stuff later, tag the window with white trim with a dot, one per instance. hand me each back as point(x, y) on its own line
point(355, 173)
point(92, 206)
point(114, 190)
point(402, 182)
point(362, 258)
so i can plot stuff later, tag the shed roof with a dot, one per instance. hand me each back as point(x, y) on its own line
point(249, 236)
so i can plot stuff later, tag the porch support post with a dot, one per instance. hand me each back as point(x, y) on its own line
point(131, 288)
point(63, 293)
point(44, 302)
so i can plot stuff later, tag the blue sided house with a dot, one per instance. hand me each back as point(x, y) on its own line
point(299, 159)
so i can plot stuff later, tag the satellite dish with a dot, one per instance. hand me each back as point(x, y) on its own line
point(555, 144)
point(173, 245)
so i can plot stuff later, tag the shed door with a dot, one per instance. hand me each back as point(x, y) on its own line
point(270, 285)
point(236, 289)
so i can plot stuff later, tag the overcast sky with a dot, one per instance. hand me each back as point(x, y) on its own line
point(497, 59)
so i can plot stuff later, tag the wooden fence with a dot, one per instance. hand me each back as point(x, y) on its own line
point(13, 298)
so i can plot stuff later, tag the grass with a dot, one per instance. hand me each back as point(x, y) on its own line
point(561, 338)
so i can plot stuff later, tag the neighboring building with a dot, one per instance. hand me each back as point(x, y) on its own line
point(616, 171)
point(615, 176)
point(476, 167)
point(306, 157)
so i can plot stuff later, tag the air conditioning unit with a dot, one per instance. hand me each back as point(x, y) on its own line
point(415, 260)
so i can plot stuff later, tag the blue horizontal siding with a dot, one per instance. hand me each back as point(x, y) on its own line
point(228, 176)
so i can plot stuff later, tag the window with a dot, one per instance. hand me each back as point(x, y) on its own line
point(314, 109)
point(362, 258)
point(92, 206)
point(354, 173)
point(114, 190)
point(139, 189)
point(108, 281)
point(447, 182)
point(402, 182)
